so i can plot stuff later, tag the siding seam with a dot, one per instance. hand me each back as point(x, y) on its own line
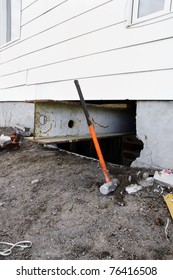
point(55, 25)
point(101, 76)
point(29, 5)
point(90, 77)
point(44, 12)
point(66, 40)
point(83, 56)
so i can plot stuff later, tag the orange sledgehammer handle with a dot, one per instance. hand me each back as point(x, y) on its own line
point(93, 134)
point(99, 153)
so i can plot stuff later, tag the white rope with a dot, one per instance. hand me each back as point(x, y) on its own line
point(10, 246)
point(166, 229)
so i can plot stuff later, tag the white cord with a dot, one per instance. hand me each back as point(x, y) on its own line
point(166, 229)
point(10, 246)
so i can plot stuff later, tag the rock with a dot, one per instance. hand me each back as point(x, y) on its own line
point(133, 188)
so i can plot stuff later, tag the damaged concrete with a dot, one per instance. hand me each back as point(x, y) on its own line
point(154, 126)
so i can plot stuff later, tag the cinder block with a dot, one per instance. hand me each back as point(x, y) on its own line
point(164, 177)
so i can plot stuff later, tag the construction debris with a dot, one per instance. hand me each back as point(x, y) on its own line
point(34, 182)
point(169, 201)
point(164, 177)
point(5, 140)
point(9, 141)
point(13, 141)
point(133, 188)
point(23, 131)
point(148, 182)
point(145, 175)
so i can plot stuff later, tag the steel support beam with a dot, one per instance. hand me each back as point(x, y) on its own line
point(57, 121)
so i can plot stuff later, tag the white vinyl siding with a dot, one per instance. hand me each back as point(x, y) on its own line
point(90, 41)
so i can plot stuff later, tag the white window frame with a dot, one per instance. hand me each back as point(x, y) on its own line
point(134, 4)
point(5, 23)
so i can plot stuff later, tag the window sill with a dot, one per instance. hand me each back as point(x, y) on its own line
point(6, 45)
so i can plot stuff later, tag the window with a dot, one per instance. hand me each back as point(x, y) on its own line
point(10, 13)
point(147, 9)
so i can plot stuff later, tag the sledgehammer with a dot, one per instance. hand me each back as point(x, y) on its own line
point(109, 186)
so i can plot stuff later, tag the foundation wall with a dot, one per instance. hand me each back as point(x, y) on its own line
point(16, 113)
point(154, 121)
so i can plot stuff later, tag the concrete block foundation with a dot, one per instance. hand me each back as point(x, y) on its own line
point(16, 113)
point(154, 126)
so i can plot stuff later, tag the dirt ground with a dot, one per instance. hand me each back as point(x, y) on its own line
point(65, 216)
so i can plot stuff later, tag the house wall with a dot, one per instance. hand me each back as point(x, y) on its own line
point(90, 41)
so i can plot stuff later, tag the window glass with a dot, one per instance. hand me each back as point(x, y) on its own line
point(3, 21)
point(10, 13)
point(15, 18)
point(147, 7)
